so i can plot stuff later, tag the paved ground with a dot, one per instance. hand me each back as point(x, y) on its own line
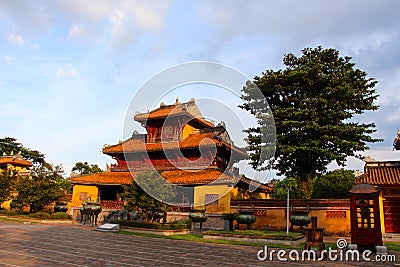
point(75, 245)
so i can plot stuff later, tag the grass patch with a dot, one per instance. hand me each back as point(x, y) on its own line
point(199, 238)
point(392, 246)
point(9, 220)
point(177, 225)
point(256, 233)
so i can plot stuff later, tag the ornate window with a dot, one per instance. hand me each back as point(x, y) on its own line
point(167, 133)
point(211, 199)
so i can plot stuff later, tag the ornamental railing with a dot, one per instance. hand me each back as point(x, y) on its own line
point(112, 204)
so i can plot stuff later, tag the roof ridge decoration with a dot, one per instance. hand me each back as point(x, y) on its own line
point(188, 108)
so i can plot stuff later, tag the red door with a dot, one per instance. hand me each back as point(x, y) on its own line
point(391, 208)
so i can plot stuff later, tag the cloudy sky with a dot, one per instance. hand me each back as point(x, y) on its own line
point(70, 68)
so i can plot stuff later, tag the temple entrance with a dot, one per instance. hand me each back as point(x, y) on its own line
point(110, 192)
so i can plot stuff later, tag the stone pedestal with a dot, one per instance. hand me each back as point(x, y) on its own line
point(381, 250)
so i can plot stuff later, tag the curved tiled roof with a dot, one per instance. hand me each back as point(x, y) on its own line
point(197, 177)
point(194, 140)
point(15, 160)
point(189, 109)
point(103, 178)
point(178, 177)
point(380, 175)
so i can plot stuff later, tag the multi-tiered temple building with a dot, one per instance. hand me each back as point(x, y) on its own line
point(186, 149)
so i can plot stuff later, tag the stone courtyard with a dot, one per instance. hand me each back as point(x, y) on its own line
point(76, 245)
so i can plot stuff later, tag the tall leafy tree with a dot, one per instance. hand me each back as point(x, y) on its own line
point(10, 145)
point(281, 188)
point(39, 188)
point(85, 168)
point(137, 199)
point(314, 101)
point(335, 184)
point(7, 180)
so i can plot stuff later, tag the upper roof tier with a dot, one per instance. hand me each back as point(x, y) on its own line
point(188, 109)
point(216, 136)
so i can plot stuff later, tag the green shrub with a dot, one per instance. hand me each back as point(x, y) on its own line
point(3, 211)
point(40, 215)
point(60, 215)
point(14, 213)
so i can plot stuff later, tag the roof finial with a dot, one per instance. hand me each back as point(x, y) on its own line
point(177, 101)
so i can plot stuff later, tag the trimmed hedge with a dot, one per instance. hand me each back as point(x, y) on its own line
point(44, 215)
point(60, 215)
point(14, 213)
point(177, 225)
point(40, 215)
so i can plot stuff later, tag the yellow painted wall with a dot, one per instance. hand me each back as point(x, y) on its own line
point(240, 193)
point(275, 219)
point(187, 129)
point(91, 190)
point(223, 201)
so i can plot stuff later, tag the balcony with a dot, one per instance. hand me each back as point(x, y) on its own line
point(163, 165)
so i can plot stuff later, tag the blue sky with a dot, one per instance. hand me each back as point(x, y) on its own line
point(70, 68)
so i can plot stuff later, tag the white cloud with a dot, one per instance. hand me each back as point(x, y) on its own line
point(7, 59)
point(34, 47)
point(149, 17)
point(66, 72)
point(77, 33)
point(15, 39)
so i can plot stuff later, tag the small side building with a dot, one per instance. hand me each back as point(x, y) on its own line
point(16, 163)
point(386, 176)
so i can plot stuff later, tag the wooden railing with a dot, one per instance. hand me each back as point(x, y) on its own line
point(163, 165)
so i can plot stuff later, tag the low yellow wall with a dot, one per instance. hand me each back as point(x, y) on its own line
point(223, 201)
point(333, 215)
point(240, 193)
point(92, 191)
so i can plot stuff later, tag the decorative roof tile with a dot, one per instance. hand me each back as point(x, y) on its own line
point(103, 178)
point(178, 177)
point(381, 173)
point(197, 177)
point(14, 160)
point(189, 109)
point(194, 140)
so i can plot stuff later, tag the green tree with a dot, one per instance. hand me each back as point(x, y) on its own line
point(7, 180)
point(39, 188)
point(148, 208)
point(314, 101)
point(85, 168)
point(281, 188)
point(335, 184)
point(10, 145)
point(64, 184)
